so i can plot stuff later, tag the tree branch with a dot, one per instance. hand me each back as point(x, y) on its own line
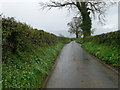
point(52, 4)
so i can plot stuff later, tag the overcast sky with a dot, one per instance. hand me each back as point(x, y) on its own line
point(55, 20)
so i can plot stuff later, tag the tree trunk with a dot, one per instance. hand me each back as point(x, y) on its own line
point(77, 36)
point(86, 20)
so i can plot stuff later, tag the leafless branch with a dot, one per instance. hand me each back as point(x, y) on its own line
point(53, 4)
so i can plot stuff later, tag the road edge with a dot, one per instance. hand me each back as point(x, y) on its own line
point(51, 70)
point(103, 62)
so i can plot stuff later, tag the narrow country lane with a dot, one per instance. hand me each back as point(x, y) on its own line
point(77, 69)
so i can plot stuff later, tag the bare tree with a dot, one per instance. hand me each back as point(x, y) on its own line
point(74, 26)
point(85, 8)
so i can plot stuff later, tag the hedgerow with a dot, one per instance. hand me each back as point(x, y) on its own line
point(19, 37)
point(27, 54)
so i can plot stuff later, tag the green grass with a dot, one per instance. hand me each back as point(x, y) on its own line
point(104, 46)
point(29, 69)
point(107, 53)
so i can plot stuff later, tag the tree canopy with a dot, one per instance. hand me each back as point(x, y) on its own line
point(87, 9)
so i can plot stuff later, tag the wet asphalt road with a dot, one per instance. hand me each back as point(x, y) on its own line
point(77, 69)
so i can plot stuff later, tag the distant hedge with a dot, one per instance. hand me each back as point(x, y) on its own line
point(108, 38)
point(19, 37)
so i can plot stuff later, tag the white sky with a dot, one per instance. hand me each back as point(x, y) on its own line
point(55, 20)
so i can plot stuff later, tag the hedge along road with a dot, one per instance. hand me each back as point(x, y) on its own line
point(77, 69)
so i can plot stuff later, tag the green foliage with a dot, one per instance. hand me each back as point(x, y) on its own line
point(30, 70)
point(28, 54)
point(19, 37)
point(107, 53)
point(104, 46)
point(109, 38)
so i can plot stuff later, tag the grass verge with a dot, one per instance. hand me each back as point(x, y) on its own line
point(104, 46)
point(107, 53)
point(28, 69)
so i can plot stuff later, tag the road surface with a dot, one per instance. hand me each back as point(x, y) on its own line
point(77, 69)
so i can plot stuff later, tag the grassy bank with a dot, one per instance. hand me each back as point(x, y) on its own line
point(30, 69)
point(104, 46)
point(28, 54)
